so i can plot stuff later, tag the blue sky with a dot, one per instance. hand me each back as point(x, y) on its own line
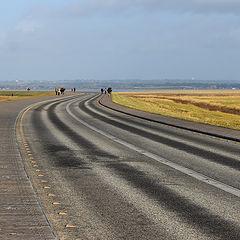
point(120, 39)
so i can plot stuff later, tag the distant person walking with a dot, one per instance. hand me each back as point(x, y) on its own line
point(62, 89)
point(102, 90)
point(56, 90)
point(74, 89)
point(109, 90)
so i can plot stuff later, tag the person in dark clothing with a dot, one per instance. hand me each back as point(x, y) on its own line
point(109, 90)
point(102, 90)
point(62, 89)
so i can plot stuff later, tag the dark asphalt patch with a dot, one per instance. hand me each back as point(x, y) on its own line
point(189, 212)
point(63, 157)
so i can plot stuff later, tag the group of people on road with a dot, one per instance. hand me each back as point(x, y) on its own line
point(60, 91)
point(106, 90)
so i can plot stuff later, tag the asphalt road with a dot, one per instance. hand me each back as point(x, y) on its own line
point(101, 174)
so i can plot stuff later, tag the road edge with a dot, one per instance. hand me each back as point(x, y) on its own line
point(118, 109)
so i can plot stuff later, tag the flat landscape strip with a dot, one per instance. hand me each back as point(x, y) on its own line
point(17, 95)
point(217, 108)
point(205, 105)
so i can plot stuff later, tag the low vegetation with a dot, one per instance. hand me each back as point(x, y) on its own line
point(16, 95)
point(219, 108)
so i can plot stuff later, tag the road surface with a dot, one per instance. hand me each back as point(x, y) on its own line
point(101, 174)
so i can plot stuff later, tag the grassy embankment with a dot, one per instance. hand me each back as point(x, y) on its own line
point(16, 95)
point(219, 108)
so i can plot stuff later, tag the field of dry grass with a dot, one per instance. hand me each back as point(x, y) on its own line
point(16, 95)
point(219, 108)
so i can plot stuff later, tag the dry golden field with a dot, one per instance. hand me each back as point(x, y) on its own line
point(219, 108)
point(16, 95)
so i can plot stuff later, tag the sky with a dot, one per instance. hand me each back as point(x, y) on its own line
point(119, 39)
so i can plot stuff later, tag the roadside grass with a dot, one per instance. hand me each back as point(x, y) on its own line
point(17, 95)
point(218, 108)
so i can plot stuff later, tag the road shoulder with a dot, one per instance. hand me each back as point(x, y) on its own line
point(21, 214)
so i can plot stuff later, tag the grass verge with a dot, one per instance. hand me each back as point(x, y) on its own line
point(218, 108)
point(17, 95)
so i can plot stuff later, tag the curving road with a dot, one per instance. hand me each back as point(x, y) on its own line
point(101, 174)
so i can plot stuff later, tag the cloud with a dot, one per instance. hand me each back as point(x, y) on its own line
point(3, 38)
point(97, 38)
point(78, 8)
point(81, 8)
point(27, 26)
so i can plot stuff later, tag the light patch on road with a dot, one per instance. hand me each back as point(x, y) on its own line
point(70, 226)
point(62, 213)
